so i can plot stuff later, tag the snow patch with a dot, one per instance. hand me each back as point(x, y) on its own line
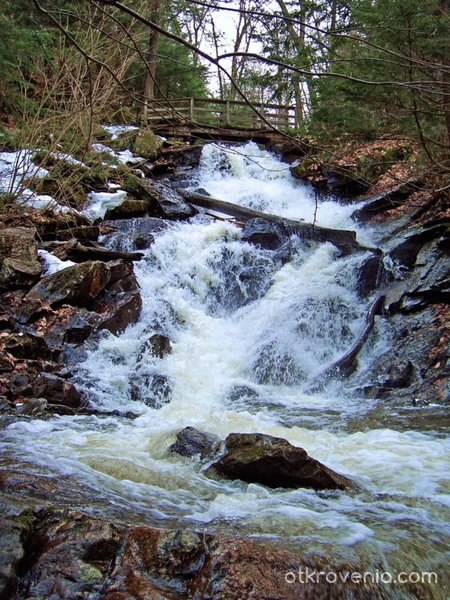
point(116, 130)
point(53, 264)
point(100, 202)
point(125, 156)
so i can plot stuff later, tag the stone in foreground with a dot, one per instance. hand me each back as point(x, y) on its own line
point(272, 461)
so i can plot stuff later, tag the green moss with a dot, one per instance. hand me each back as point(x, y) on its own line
point(125, 141)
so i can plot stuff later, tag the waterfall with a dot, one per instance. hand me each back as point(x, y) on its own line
point(248, 332)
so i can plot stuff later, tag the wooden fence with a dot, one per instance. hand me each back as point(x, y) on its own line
point(221, 113)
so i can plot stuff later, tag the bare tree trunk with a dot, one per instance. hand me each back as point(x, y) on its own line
point(149, 85)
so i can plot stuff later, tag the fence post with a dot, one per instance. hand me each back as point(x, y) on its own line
point(191, 110)
point(227, 113)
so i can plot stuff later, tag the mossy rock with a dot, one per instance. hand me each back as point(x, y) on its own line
point(147, 143)
point(125, 141)
point(131, 183)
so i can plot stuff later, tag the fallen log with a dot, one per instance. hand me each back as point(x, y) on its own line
point(347, 363)
point(344, 240)
point(77, 252)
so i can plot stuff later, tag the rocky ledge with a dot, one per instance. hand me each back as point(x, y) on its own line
point(68, 554)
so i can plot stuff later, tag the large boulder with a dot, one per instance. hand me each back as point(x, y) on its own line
point(19, 261)
point(147, 143)
point(79, 285)
point(272, 461)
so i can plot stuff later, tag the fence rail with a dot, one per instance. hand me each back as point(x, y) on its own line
point(227, 113)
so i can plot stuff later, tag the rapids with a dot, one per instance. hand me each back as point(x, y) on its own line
point(248, 334)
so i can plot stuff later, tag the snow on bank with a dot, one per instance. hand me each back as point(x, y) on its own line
point(16, 168)
point(125, 156)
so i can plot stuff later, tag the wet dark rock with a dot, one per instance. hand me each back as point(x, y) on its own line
point(19, 261)
point(153, 389)
point(157, 344)
point(79, 326)
point(377, 205)
point(370, 275)
point(276, 366)
point(181, 564)
point(26, 345)
point(238, 392)
point(171, 204)
point(120, 305)
point(426, 280)
point(416, 367)
point(78, 285)
point(131, 208)
point(191, 441)
point(265, 234)
point(11, 555)
point(406, 252)
point(272, 461)
point(171, 159)
point(34, 407)
point(133, 234)
point(66, 554)
point(270, 236)
point(57, 391)
point(109, 289)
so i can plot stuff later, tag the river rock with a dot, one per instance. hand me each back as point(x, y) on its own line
point(67, 554)
point(57, 392)
point(171, 205)
point(78, 285)
point(25, 345)
point(265, 234)
point(158, 345)
point(133, 234)
point(129, 209)
point(170, 159)
point(191, 441)
point(151, 388)
point(19, 261)
point(147, 143)
point(416, 368)
point(272, 461)
point(370, 275)
point(119, 305)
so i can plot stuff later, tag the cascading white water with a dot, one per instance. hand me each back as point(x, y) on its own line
point(248, 335)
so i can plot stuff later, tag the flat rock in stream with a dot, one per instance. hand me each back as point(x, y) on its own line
point(274, 462)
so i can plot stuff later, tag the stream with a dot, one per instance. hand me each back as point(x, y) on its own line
point(249, 332)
